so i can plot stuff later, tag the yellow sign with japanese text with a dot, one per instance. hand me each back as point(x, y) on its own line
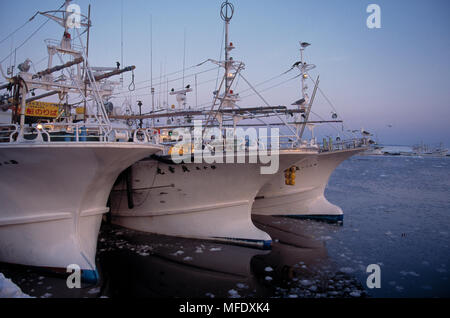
point(41, 109)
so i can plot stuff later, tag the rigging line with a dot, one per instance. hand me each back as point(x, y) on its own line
point(31, 35)
point(273, 86)
point(172, 80)
point(220, 55)
point(323, 94)
point(329, 124)
point(176, 72)
point(165, 91)
point(328, 101)
point(19, 28)
point(184, 57)
point(266, 81)
point(262, 98)
point(23, 43)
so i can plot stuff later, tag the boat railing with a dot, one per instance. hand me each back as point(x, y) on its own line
point(74, 132)
point(74, 48)
point(330, 145)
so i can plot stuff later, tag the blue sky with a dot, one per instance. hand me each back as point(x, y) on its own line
point(398, 75)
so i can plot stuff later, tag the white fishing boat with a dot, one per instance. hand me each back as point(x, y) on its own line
point(306, 197)
point(202, 199)
point(196, 200)
point(55, 173)
point(300, 190)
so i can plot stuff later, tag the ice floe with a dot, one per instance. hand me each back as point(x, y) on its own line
point(10, 290)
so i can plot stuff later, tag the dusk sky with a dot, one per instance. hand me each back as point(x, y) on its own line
point(393, 81)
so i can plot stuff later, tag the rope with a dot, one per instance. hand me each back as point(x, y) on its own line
point(266, 81)
point(27, 39)
point(173, 80)
point(19, 28)
point(132, 86)
point(220, 55)
point(173, 73)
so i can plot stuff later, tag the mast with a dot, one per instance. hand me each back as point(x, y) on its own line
point(87, 55)
point(304, 104)
point(121, 40)
point(152, 89)
point(226, 13)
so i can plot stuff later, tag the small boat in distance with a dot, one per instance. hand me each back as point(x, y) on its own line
point(425, 150)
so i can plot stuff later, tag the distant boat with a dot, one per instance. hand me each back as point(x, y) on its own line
point(425, 150)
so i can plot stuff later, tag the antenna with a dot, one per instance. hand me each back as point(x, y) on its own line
point(121, 41)
point(151, 68)
point(184, 55)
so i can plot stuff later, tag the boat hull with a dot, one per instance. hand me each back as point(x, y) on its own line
point(305, 199)
point(53, 198)
point(204, 201)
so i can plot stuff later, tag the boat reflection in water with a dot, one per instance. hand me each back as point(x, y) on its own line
point(137, 264)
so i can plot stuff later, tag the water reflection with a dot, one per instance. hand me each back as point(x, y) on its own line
point(136, 264)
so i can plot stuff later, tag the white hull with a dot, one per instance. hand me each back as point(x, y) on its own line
point(205, 201)
point(307, 196)
point(53, 197)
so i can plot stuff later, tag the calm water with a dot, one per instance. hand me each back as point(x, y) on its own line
point(396, 215)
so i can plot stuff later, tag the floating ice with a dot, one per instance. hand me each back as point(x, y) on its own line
point(268, 269)
point(187, 258)
point(94, 290)
point(46, 295)
point(411, 273)
point(177, 253)
point(347, 270)
point(355, 293)
point(399, 288)
point(268, 278)
point(241, 286)
point(215, 249)
point(234, 293)
point(305, 282)
point(10, 290)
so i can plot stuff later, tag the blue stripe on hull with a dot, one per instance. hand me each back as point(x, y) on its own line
point(265, 245)
point(89, 276)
